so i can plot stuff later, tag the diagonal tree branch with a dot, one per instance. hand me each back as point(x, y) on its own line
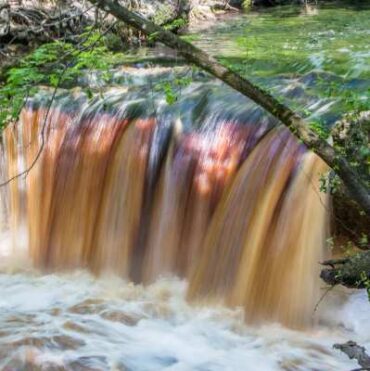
point(296, 124)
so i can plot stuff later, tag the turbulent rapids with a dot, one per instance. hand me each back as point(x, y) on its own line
point(215, 193)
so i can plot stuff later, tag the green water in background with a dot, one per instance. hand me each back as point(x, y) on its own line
point(316, 60)
point(333, 37)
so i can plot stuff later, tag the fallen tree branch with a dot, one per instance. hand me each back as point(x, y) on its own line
point(349, 272)
point(334, 262)
point(356, 188)
point(355, 351)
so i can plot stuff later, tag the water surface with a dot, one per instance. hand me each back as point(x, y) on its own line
point(76, 322)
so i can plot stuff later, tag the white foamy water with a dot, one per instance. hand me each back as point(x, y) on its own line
point(77, 322)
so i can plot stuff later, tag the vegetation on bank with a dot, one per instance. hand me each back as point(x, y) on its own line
point(55, 64)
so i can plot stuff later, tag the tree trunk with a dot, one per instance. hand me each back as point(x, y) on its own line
point(356, 189)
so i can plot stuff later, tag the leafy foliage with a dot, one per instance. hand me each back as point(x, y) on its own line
point(172, 89)
point(329, 183)
point(366, 283)
point(320, 129)
point(175, 24)
point(351, 140)
point(54, 64)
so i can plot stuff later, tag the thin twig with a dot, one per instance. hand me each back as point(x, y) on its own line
point(326, 292)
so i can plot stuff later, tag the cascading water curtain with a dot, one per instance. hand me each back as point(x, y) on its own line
point(233, 207)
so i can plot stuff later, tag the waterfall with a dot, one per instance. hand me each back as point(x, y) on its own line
point(214, 193)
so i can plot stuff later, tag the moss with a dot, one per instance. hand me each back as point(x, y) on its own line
point(247, 5)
